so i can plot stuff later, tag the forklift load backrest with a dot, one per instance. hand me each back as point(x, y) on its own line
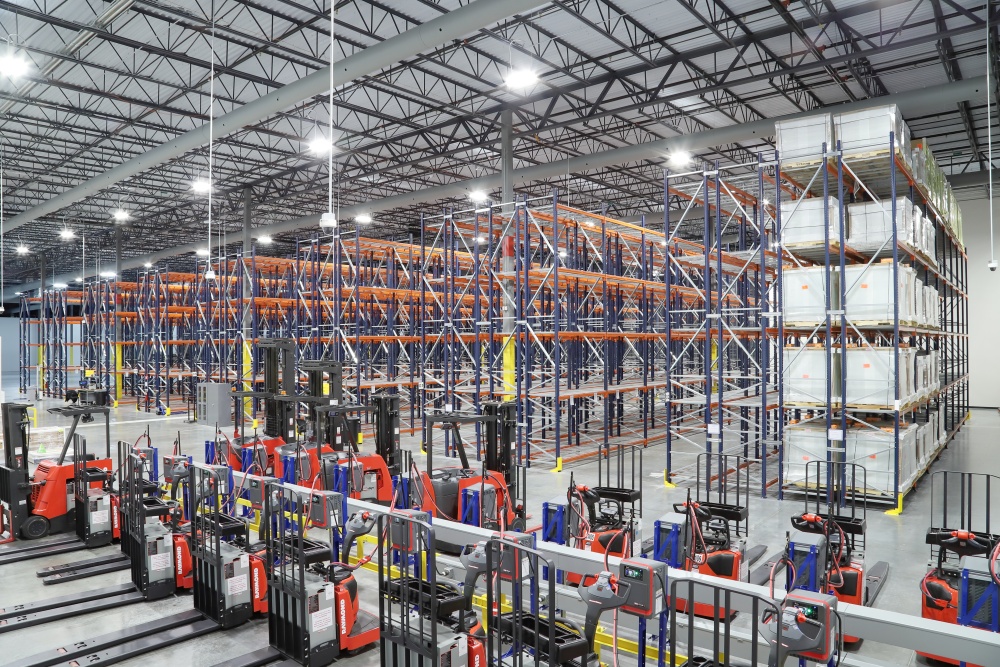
point(836, 494)
point(722, 487)
point(961, 503)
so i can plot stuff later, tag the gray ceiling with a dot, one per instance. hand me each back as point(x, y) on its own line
point(112, 80)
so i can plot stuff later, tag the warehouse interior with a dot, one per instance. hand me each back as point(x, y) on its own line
point(462, 333)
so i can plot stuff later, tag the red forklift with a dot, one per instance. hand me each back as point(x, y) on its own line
point(490, 496)
point(245, 451)
point(68, 493)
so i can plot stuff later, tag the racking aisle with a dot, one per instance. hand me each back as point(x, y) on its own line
point(722, 368)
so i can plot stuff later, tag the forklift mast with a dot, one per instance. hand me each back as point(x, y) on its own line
point(14, 483)
point(500, 436)
point(387, 430)
point(15, 437)
point(279, 379)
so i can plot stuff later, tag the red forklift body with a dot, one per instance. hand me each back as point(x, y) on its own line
point(52, 487)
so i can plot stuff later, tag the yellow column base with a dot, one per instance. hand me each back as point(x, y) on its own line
point(666, 480)
point(898, 509)
point(558, 467)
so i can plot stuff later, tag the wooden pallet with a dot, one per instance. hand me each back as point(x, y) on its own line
point(808, 405)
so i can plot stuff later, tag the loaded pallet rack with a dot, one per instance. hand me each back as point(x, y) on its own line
point(916, 338)
point(604, 332)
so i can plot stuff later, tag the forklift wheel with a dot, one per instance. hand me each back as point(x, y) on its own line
point(518, 525)
point(35, 527)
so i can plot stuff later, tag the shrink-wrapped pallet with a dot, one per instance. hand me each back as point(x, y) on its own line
point(802, 221)
point(801, 140)
point(805, 381)
point(866, 132)
point(871, 225)
point(869, 293)
point(803, 294)
point(871, 377)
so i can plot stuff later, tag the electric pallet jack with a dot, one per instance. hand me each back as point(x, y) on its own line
point(150, 550)
point(491, 497)
point(222, 571)
point(826, 549)
point(425, 619)
point(603, 519)
point(62, 495)
point(708, 534)
point(963, 586)
point(314, 615)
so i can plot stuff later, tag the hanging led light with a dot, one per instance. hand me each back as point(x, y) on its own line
point(265, 240)
point(363, 219)
point(22, 249)
point(680, 159)
point(519, 79)
point(13, 65)
point(66, 234)
point(202, 252)
point(208, 187)
point(478, 196)
point(320, 145)
point(121, 215)
point(148, 265)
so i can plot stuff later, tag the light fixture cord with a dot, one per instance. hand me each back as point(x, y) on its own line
point(211, 132)
point(989, 129)
point(329, 163)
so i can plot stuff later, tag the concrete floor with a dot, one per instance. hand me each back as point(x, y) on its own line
point(896, 539)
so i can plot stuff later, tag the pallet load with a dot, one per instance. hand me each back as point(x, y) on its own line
point(804, 294)
point(869, 294)
point(803, 221)
point(865, 132)
point(872, 379)
point(806, 373)
point(800, 140)
point(869, 445)
point(871, 226)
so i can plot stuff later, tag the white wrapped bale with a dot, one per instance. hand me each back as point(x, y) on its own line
point(801, 140)
point(803, 220)
point(803, 294)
